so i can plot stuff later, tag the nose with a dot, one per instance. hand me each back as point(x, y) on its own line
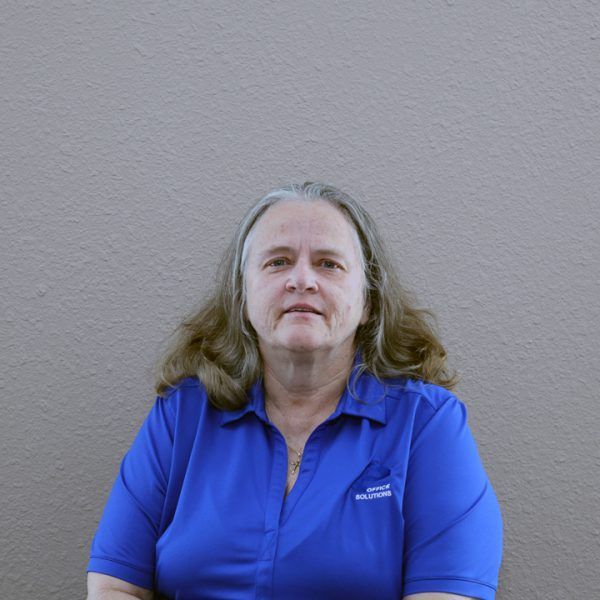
point(302, 278)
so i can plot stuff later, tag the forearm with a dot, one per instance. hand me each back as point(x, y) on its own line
point(113, 595)
point(106, 587)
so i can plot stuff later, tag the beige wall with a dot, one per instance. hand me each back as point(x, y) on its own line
point(133, 135)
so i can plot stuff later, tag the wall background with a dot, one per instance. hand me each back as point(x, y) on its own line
point(134, 135)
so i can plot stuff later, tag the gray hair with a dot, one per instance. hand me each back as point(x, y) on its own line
point(310, 192)
point(219, 346)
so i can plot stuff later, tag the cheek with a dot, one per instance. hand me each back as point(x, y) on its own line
point(259, 303)
point(353, 309)
point(252, 302)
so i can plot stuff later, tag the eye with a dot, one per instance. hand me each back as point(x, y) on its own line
point(276, 260)
point(330, 265)
point(333, 265)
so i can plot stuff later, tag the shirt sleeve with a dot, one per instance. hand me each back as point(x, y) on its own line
point(125, 541)
point(453, 523)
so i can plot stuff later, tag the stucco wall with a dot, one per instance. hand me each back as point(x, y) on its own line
point(133, 136)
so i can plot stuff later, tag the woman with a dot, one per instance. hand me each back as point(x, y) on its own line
point(304, 442)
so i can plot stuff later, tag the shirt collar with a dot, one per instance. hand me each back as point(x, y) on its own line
point(367, 398)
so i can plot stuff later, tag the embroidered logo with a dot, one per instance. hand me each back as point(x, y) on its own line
point(377, 491)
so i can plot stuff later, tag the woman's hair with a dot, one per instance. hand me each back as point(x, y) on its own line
point(218, 344)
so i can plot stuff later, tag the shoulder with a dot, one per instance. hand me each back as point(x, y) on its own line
point(423, 394)
point(184, 386)
point(418, 402)
point(188, 397)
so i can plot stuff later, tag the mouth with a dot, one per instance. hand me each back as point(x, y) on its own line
point(302, 309)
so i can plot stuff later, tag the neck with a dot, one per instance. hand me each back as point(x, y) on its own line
point(301, 391)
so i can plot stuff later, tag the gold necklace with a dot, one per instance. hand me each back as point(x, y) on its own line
point(295, 463)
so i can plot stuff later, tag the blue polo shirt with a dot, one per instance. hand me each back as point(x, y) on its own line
point(391, 499)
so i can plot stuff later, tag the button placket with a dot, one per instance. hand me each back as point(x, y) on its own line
point(279, 508)
point(264, 574)
point(308, 467)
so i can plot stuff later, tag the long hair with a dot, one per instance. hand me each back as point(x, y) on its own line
point(218, 344)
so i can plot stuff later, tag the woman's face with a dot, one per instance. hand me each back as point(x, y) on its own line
point(308, 253)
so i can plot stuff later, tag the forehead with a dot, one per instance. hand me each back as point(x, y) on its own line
point(299, 222)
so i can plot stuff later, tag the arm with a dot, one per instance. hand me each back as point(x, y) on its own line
point(453, 523)
point(436, 596)
point(105, 587)
point(123, 551)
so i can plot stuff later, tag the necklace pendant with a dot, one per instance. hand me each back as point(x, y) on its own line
point(295, 463)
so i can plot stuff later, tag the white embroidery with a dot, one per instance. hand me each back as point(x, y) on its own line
point(372, 493)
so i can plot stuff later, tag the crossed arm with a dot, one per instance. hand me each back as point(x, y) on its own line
point(436, 596)
point(104, 587)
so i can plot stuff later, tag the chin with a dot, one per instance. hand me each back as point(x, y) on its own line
point(302, 343)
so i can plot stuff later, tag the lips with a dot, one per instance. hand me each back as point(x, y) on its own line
point(303, 308)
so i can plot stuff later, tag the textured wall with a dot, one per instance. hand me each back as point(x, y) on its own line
point(135, 134)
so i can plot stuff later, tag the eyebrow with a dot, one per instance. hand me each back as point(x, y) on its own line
point(290, 250)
